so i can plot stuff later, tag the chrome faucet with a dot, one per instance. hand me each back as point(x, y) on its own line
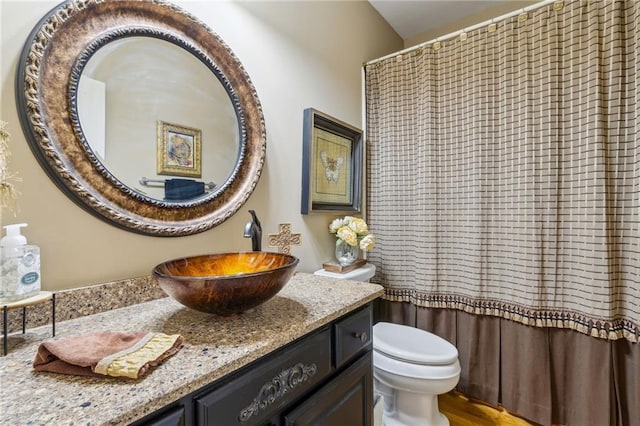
point(253, 230)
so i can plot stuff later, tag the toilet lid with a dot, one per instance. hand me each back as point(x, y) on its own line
point(412, 345)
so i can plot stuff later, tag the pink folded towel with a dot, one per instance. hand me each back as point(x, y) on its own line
point(116, 354)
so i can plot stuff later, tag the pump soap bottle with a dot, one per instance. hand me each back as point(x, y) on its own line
point(19, 266)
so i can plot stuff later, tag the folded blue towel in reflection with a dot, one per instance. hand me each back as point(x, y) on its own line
point(182, 189)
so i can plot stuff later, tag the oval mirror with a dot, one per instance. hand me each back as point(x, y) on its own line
point(124, 121)
point(141, 114)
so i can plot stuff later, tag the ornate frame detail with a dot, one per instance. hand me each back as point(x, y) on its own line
point(52, 60)
point(287, 380)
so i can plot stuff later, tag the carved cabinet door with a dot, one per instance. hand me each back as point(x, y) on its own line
point(345, 400)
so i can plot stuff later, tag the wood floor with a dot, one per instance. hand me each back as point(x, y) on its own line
point(464, 412)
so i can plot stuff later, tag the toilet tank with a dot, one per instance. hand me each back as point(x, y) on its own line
point(362, 274)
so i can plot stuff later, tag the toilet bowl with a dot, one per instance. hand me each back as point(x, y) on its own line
point(411, 367)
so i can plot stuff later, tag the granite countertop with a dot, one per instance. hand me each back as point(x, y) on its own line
point(214, 347)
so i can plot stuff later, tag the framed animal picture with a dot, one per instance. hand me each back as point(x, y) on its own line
point(332, 159)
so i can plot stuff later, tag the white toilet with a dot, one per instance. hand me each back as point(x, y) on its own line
point(411, 367)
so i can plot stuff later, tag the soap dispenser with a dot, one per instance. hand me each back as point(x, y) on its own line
point(19, 265)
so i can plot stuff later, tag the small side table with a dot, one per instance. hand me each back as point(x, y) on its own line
point(41, 297)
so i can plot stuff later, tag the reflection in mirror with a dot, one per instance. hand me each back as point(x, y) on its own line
point(131, 84)
point(98, 147)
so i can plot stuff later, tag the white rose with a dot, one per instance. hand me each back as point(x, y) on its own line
point(359, 226)
point(368, 243)
point(335, 225)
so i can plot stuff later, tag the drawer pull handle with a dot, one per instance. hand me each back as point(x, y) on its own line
point(285, 381)
point(362, 336)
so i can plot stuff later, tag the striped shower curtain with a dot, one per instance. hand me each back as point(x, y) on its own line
point(504, 170)
point(504, 192)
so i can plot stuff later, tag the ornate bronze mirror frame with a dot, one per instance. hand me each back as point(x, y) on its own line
point(48, 74)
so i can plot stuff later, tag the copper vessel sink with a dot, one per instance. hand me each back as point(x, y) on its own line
point(225, 283)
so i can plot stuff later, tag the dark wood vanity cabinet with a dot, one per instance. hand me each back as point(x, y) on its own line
point(345, 400)
point(323, 378)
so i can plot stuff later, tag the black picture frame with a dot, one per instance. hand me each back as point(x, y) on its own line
point(332, 164)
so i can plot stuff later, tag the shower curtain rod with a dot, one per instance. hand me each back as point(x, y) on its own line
point(467, 29)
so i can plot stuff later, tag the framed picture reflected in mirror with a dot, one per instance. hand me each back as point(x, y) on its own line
point(179, 150)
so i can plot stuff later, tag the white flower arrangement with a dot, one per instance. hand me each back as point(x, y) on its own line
point(354, 232)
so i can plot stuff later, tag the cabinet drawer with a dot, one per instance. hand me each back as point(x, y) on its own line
point(352, 335)
point(256, 394)
point(346, 400)
point(173, 417)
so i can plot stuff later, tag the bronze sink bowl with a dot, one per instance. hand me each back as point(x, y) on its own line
point(225, 283)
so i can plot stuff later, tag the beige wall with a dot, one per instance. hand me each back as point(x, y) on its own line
point(298, 54)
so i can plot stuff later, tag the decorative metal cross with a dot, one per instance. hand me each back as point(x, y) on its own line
point(284, 239)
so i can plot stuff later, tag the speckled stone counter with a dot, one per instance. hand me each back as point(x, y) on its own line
point(214, 347)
